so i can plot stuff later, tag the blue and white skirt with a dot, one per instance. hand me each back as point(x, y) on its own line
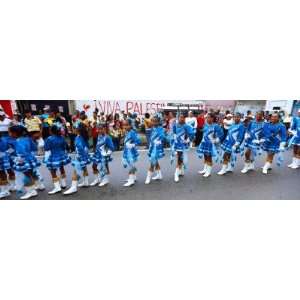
point(56, 161)
point(23, 164)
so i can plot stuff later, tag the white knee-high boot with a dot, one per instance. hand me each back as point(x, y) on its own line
point(73, 189)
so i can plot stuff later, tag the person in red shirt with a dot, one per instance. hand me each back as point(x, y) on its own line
point(200, 125)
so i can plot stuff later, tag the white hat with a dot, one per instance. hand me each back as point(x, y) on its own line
point(228, 115)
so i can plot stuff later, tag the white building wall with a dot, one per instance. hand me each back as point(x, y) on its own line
point(242, 106)
point(285, 105)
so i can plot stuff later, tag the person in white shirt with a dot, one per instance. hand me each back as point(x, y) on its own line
point(227, 122)
point(191, 120)
point(4, 123)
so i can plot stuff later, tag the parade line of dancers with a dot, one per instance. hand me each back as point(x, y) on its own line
point(20, 167)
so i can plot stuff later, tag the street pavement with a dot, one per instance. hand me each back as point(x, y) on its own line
point(281, 183)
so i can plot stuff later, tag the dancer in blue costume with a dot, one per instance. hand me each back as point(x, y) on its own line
point(7, 175)
point(232, 144)
point(156, 148)
point(56, 157)
point(24, 161)
point(253, 141)
point(294, 131)
point(208, 148)
point(82, 159)
point(274, 141)
point(130, 153)
point(182, 135)
point(102, 157)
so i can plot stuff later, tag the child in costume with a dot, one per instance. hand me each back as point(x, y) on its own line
point(6, 171)
point(130, 152)
point(274, 141)
point(24, 162)
point(56, 157)
point(82, 159)
point(181, 136)
point(253, 141)
point(156, 148)
point(294, 131)
point(102, 156)
point(212, 135)
point(232, 144)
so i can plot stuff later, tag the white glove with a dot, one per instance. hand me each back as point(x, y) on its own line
point(293, 132)
point(129, 145)
point(106, 153)
point(216, 140)
point(247, 135)
point(156, 142)
point(255, 141)
point(187, 141)
point(10, 150)
point(235, 146)
point(262, 141)
point(47, 154)
point(282, 148)
point(41, 143)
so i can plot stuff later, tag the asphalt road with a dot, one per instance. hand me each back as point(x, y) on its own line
point(280, 183)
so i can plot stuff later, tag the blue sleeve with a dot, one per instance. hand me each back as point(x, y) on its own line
point(173, 129)
point(190, 131)
point(294, 124)
point(162, 134)
point(283, 134)
point(137, 139)
point(266, 131)
point(65, 145)
point(33, 145)
point(47, 146)
point(79, 145)
point(219, 132)
point(109, 143)
point(249, 127)
point(241, 134)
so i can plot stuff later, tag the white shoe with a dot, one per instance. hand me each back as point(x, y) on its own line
point(229, 168)
point(251, 167)
point(56, 189)
point(246, 168)
point(208, 171)
point(149, 176)
point(223, 170)
point(31, 192)
point(266, 168)
point(204, 170)
point(176, 175)
point(5, 192)
point(105, 181)
point(96, 181)
point(85, 182)
point(294, 164)
point(130, 181)
point(181, 171)
point(12, 186)
point(72, 189)
point(63, 183)
point(39, 186)
point(158, 176)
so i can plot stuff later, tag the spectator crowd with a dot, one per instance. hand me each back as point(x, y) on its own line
point(40, 124)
